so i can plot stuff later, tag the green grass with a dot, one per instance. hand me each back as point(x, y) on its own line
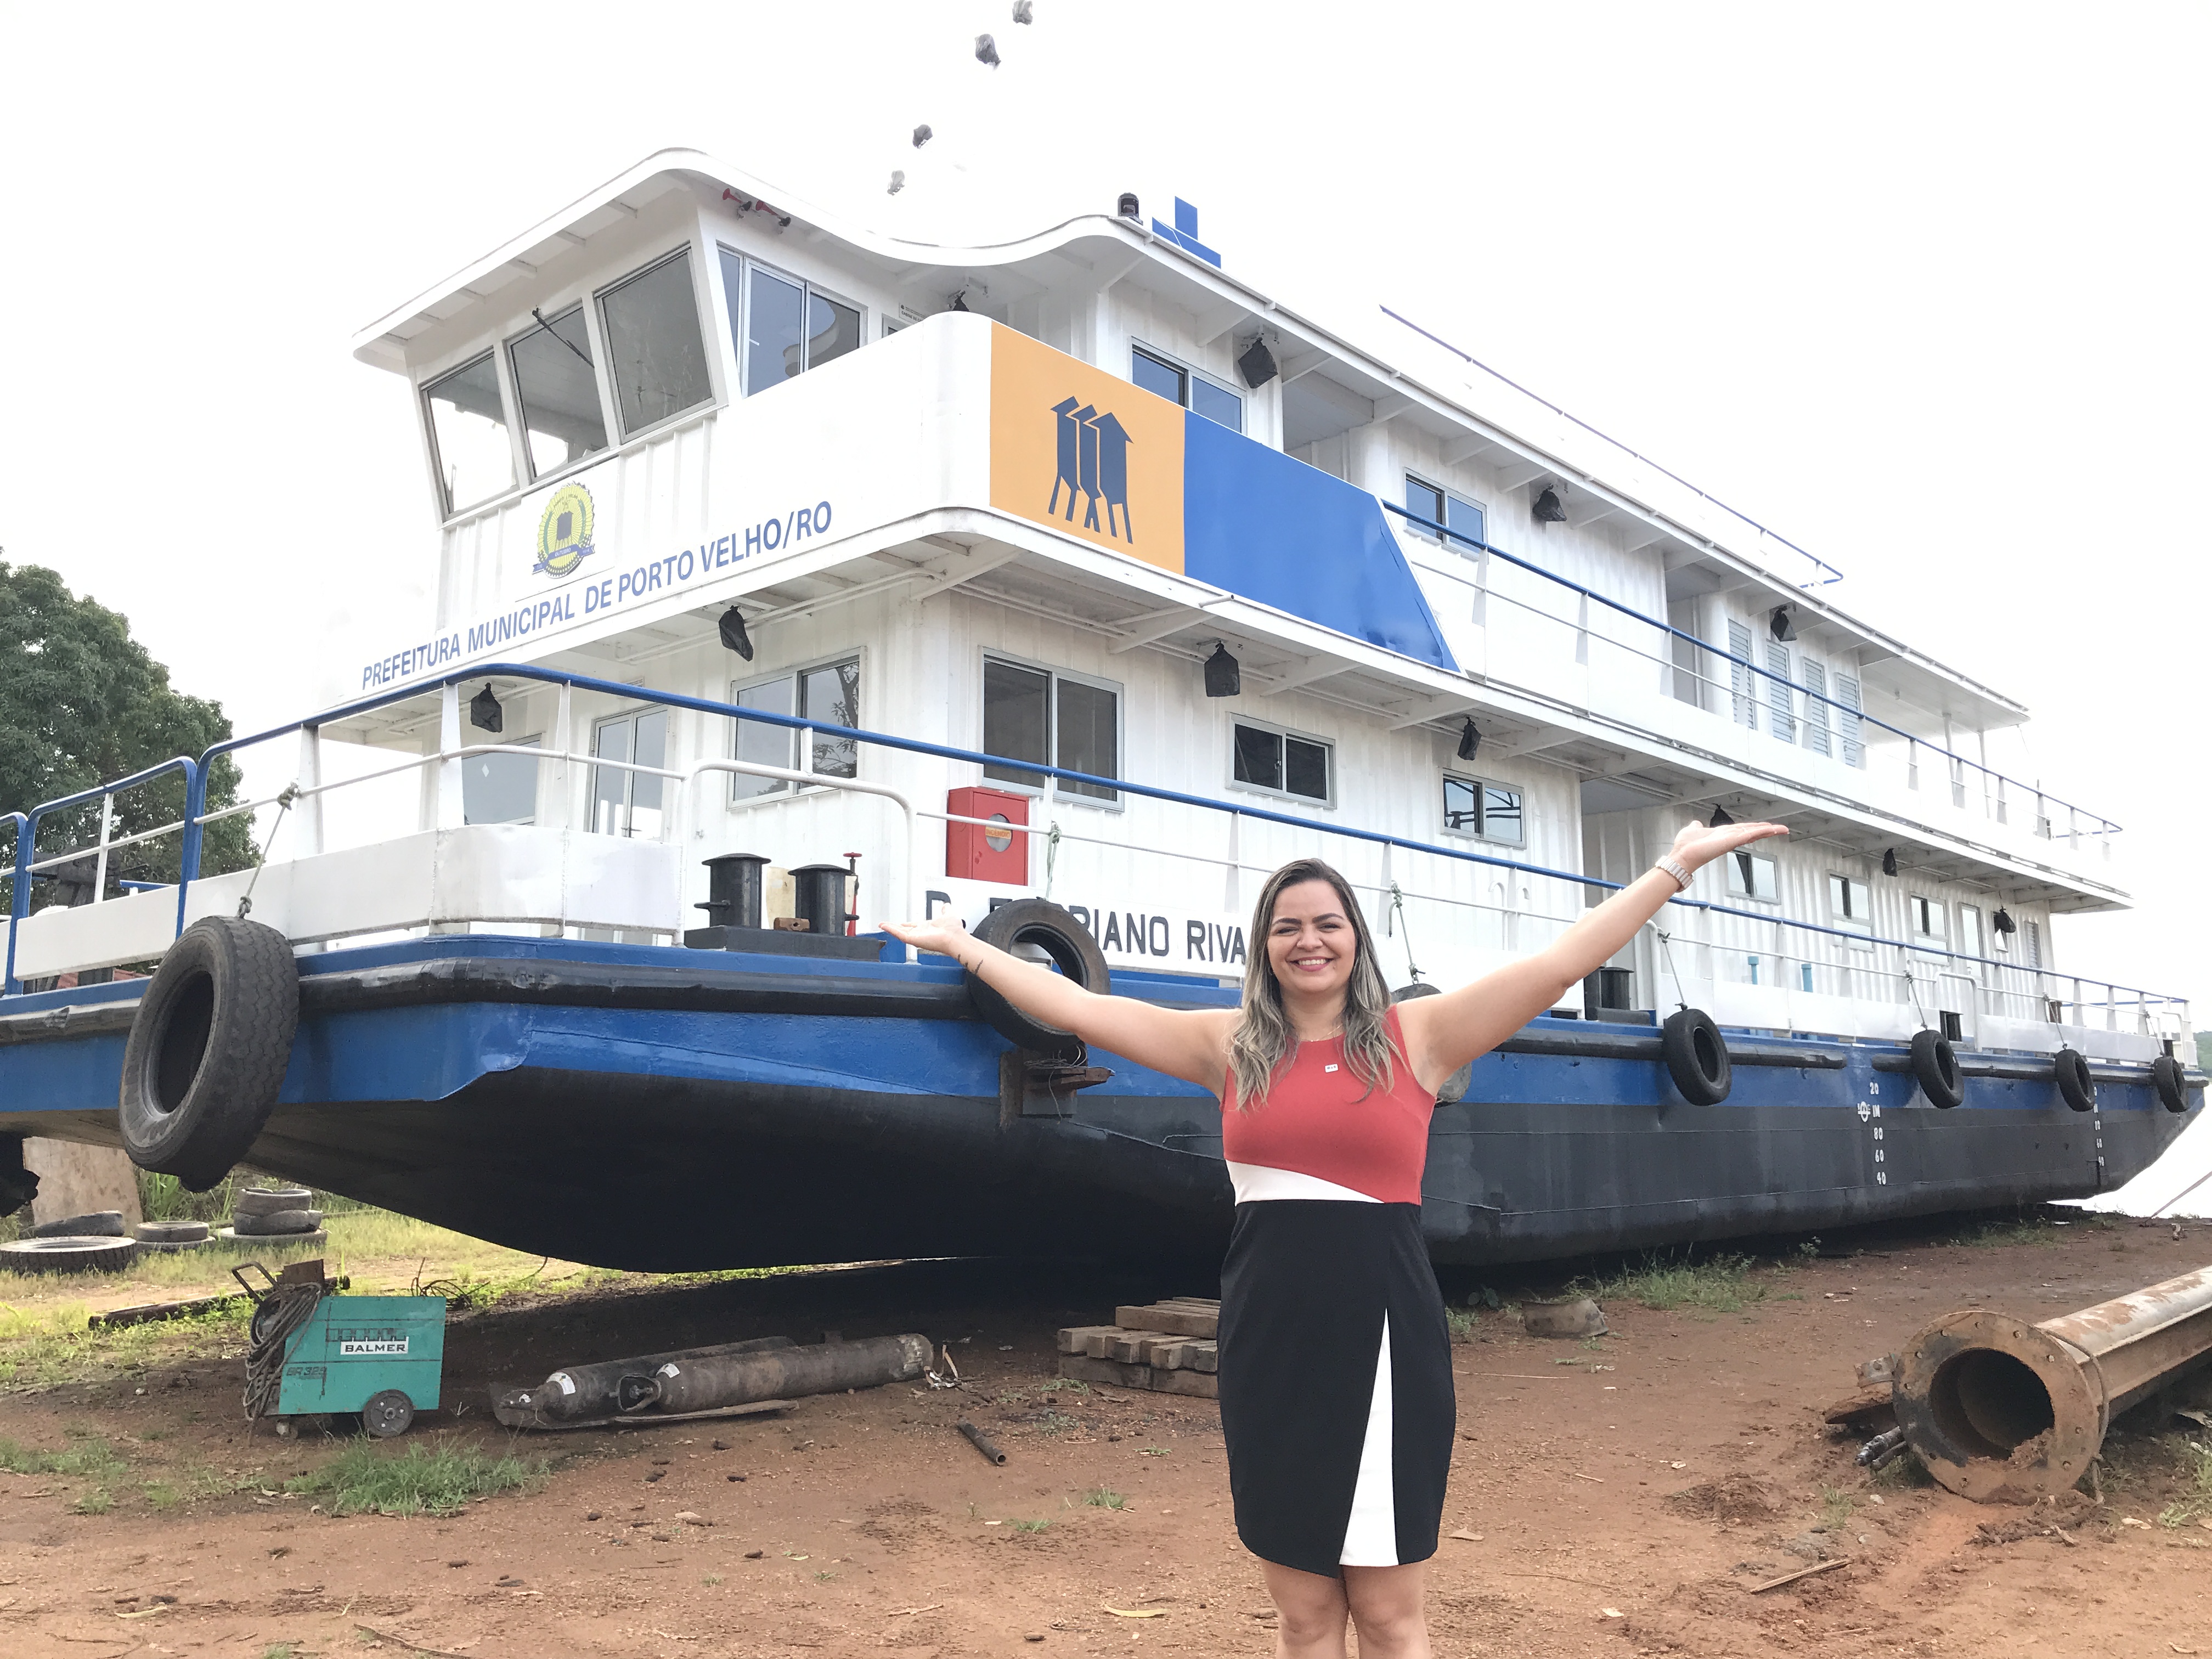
point(98, 1501)
point(1720, 1284)
point(1460, 1322)
point(280, 1650)
point(1835, 1508)
point(1104, 1497)
point(1028, 1526)
point(2195, 1503)
point(417, 1481)
point(1997, 1235)
point(1906, 1470)
point(40, 1347)
point(161, 1495)
point(88, 1456)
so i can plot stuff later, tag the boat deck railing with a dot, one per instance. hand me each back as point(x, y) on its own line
point(1753, 695)
point(1805, 957)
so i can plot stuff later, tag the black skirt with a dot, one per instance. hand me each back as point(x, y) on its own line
point(1322, 1300)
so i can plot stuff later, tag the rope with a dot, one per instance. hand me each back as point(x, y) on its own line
point(291, 792)
point(1398, 916)
point(1667, 951)
point(287, 1309)
point(1051, 854)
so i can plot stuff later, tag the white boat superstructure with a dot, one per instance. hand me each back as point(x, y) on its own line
point(1090, 502)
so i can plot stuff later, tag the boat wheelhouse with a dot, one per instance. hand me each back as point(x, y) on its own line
point(791, 572)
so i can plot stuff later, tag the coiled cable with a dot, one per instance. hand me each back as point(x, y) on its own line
point(276, 1318)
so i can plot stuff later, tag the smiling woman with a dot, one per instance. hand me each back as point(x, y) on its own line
point(1336, 1390)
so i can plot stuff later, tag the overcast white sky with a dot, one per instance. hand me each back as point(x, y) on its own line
point(1920, 286)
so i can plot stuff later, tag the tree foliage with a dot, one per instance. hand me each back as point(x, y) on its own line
point(82, 703)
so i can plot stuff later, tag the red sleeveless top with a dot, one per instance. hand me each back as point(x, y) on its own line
point(1316, 1122)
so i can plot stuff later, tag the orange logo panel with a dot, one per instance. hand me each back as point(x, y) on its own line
point(1084, 452)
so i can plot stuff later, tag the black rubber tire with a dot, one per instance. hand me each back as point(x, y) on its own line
point(277, 1223)
point(2171, 1083)
point(1453, 1089)
point(387, 1414)
point(68, 1255)
point(1697, 1057)
point(1936, 1069)
point(208, 1049)
point(1073, 952)
point(2075, 1086)
point(99, 1223)
point(267, 1200)
point(172, 1232)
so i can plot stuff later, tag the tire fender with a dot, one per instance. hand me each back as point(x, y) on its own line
point(1453, 1089)
point(208, 1049)
point(1697, 1057)
point(2075, 1086)
point(1073, 952)
point(1936, 1069)
point(2171, 1083)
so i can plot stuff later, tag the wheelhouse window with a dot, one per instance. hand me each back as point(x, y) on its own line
point(1440, 506)
point(655, 354)
point(1489, 811)
point(1750, 876)
point(501, 788)
point(468, 430)
point(783, 326)
point(1195, 392)
point(1928, 918)
point(831, 693)
point(1281, 763)
point(556, 389)
point(1051, 718)
point(624, 802)
point(1851, 903)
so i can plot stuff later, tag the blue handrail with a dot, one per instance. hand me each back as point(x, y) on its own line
point(946, 752)
point(27, 836)
point(196, 774)
point(1669, 630)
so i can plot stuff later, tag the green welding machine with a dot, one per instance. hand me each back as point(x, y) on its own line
point(317, 1352)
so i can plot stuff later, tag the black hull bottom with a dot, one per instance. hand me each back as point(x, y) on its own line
point(679, 1175)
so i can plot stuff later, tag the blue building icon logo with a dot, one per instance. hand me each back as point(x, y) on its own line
point(1092, 454)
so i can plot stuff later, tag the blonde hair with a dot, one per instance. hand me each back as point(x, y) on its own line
point(1263, 1040)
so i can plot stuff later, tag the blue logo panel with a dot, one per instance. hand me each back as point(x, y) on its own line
point(1265, 525)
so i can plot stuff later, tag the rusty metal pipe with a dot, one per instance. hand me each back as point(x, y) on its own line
point(2002, 1411)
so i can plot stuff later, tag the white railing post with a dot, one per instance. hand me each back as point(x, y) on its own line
point(307, 838)
point(564, 811)
point(450, 813)
point(99, 866)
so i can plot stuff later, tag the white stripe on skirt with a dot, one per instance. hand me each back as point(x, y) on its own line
point(1370, 1538)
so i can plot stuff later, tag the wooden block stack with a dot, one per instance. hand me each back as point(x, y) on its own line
point(1168, 1347)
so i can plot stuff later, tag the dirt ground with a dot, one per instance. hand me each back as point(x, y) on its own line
point(1607, 1499)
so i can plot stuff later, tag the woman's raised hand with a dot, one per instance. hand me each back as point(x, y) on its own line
point(942, 937)
point(1697, 845)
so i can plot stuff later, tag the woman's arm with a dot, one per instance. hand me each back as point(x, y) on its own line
point(1442, 1033)
point(1192, 1044)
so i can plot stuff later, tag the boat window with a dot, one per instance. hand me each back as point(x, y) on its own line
point(654, 351)
point(624, 802)
point(831, 693)
point(1847, 719)
point(1780, 719)
point(1743, 710)
point(1054, 719)
point(1158, 373)
point(558, 392)
point(501, 788)
point(1969, 931)
point(1814, 679)
point(2033, 931)
point(1927, 918)
point(468, 428)
point(1851, 903)
point(1440, 506)
point(1281, 763)
point(1474, 808)
point(783, 326)
point(1750, 876)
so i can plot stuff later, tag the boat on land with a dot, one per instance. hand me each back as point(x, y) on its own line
point(794, 578)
